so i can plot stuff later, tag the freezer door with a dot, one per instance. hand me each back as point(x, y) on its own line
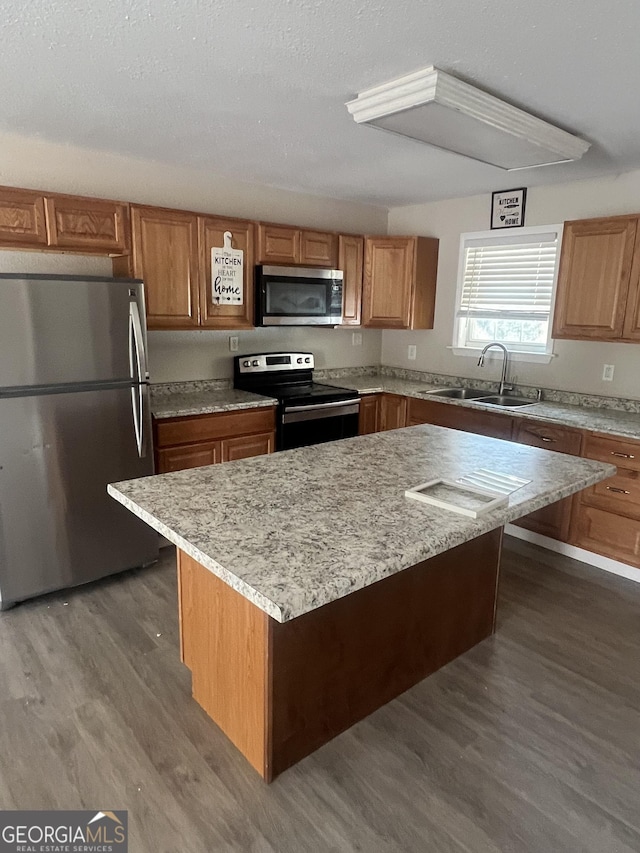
point(58, 526)
point(63, 330)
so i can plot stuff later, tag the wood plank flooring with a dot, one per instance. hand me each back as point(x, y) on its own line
point(530, 742)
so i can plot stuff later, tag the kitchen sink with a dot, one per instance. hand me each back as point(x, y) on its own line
point(456, 393)
point(505, 402)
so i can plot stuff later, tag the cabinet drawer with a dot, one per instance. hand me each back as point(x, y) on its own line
point(613, 450)
point(187, 430)
point(190, 456)
point(547, 437)
point(620, 494)
point(608, 534)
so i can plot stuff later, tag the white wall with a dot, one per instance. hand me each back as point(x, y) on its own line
point(33, 163)
point(579, 364)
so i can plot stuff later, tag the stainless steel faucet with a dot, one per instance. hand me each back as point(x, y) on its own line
point(505, 366)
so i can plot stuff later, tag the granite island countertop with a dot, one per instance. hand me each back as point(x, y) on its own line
point(301, 528)
point(603, 420)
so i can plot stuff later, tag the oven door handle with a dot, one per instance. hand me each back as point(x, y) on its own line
point(297, 414)
point(317, 406)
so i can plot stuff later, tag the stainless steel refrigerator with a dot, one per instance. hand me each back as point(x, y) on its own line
point(74, 416)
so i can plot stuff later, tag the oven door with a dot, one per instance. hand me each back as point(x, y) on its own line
point(297, 296)
point(301, 426)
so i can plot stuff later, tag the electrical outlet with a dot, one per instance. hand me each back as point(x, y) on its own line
point(233, 343)
point(607, 372)
point(411, 352)
point(356, 339)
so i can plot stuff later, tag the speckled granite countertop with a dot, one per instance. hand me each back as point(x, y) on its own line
point(302, 528)
point(205, 401)
point(612, 421)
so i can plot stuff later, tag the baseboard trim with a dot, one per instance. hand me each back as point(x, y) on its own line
point(600, 562)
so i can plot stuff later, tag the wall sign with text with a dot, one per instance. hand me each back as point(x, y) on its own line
point(227, 274)
point(507, 208)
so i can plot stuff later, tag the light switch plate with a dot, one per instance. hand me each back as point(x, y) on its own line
point(356, 339)
point(411, 352)
point(233, 343)
point(607, 372)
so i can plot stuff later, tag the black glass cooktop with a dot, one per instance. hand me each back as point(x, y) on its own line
point(306, 393)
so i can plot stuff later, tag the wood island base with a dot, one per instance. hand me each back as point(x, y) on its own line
point(280, 690)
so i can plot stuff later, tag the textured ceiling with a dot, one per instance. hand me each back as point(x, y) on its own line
point(256, 90)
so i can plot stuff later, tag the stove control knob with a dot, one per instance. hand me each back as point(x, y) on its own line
point(300, 360)
point(246, 363)
point(255, 363)
point(307, 361)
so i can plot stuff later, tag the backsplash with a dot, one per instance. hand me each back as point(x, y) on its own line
point(550, 395)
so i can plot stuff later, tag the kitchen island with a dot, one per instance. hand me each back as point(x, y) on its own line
point(312, 591)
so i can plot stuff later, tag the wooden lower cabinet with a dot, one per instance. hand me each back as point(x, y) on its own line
point(369, 414)
point(190, 442)
point(456, 417)
point(606, 517)
point(554, 520)
point(393, 411)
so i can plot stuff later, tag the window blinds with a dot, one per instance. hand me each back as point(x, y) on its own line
point(509, 277)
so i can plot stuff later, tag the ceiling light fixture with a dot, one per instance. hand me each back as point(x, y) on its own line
point(434, 107)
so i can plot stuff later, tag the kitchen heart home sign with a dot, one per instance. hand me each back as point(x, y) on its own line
point(227, 274)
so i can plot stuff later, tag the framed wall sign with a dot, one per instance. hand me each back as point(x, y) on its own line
point(507, 208)
point(227, 281)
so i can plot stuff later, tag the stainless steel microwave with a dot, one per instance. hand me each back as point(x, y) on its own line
point(298, 296)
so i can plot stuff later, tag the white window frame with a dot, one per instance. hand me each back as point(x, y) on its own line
point(516, 354)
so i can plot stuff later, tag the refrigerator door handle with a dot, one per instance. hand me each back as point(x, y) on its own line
point(137, 363)
point(137, 354)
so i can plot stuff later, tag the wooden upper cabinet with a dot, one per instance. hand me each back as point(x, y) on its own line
point(318, 248)
point(211, 235)
point(165, 257)
point(282, 244)
point(88, 223)
point(631, 331)
point(278, 244)
point(22, 218)
point(351, 262)
point(594, 278)
point(399, 285)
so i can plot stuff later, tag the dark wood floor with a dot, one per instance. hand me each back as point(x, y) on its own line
point(530, 742)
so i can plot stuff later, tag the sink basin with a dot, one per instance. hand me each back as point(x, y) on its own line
point(457, 393)
point(505, 402)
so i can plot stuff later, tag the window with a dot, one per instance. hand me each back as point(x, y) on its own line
point(506, 287)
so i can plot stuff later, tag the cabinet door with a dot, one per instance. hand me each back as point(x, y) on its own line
point(318, 249)
point(631, 331)
point(351, 261)
point(189, 456)
point(22, 218)
point(393, 412)
point(594, 278)
point(388, 272)
point(211, 234)
point(606, 533)
point(369, 414)
point(246, 446)
point(165, 257)
point(456, 417)
point(278, 244)
point(88, 224)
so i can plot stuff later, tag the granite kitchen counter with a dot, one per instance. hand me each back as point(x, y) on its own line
point(302, 528)
point(204, 401)
point(602, 420)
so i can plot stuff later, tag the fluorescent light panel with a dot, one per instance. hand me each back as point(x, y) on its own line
point(434, 107)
